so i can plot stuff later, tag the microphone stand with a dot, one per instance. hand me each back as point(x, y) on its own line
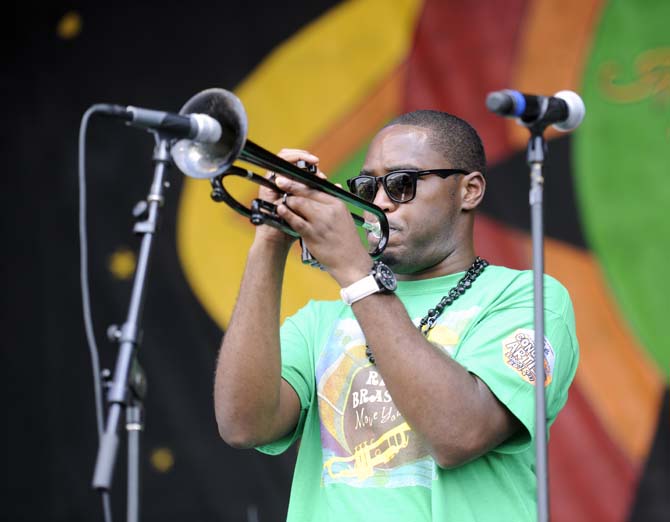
point(535, 159)
point(565, 110)
point(127, 388)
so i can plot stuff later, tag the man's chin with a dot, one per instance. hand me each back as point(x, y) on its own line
point(390, 260)
point(397, 262)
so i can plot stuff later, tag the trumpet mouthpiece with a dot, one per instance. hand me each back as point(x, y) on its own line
point(373, 228)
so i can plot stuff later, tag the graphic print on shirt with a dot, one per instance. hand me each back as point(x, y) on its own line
point(519, 354)
point(366, 441)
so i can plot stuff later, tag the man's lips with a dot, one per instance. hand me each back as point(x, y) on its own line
point(393, 229)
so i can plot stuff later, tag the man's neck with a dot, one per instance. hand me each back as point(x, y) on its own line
point(457, 261)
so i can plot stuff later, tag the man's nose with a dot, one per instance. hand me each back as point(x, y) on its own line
point(382, 200)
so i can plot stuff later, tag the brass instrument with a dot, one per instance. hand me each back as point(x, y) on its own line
point(215, 162)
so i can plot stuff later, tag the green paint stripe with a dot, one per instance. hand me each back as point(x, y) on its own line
point(622, 159)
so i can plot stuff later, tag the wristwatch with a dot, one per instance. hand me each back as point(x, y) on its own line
point(381, 279)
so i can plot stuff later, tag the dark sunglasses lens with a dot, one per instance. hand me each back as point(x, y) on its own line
point(400, 186)
point(364, 188)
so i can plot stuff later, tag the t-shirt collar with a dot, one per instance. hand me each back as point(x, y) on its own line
point(435, 284)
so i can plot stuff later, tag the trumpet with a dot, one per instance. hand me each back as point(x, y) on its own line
point(214, 161)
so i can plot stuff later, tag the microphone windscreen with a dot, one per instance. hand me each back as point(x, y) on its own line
point(576, 110)
point(499, 103)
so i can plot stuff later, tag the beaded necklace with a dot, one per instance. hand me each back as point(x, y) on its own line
point(427, 322)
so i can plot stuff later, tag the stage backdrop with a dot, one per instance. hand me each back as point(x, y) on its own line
point(325, 76)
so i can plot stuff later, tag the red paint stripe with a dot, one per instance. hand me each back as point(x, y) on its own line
point(462, 51)
point(501, 244)
point(591, 479)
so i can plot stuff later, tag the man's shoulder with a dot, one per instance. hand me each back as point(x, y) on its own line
point(520, 283)
point(522, 277)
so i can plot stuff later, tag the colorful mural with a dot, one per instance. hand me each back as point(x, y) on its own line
point(323, 75)
point(372, 60)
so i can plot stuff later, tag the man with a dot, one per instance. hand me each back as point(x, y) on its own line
point(414, 403)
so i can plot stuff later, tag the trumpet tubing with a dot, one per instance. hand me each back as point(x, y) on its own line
point(214, 161)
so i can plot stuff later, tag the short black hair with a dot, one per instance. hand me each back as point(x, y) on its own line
point(453, 137)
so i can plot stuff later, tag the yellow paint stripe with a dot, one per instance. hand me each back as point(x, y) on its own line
point(308, 84)
point(553, 45)
point(299, 93)
point(363, 122)
point(622, 385)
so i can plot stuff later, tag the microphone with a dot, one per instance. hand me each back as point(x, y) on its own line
point(196, 127)
point(564, 110)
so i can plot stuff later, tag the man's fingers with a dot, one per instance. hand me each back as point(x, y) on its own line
point(293, 155)
point(299, 189)
point(315, 214)
point(303, 207)
point(288, 185)
point(288, 214)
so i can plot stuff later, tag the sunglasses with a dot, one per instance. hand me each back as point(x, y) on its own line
point(399, 185)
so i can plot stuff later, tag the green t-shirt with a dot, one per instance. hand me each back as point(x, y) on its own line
point(358, 458)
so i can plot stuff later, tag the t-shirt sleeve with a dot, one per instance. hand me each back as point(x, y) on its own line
point(297, 371)
point(499, 349)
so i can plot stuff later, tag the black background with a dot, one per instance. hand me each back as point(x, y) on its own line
point(154, 56)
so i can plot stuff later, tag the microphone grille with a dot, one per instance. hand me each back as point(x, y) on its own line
point(499, 103)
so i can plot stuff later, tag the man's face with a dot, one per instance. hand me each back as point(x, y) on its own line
point(425, 230)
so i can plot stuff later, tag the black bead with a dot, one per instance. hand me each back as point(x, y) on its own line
point(368, 353)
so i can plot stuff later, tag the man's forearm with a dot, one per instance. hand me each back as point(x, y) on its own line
point(420, 376)
point(248, 373)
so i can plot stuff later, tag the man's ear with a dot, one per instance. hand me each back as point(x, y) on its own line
point(473, 186)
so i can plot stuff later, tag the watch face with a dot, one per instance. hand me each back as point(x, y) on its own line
point(385, 277)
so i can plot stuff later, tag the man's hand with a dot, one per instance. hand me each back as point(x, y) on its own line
point(269, 233)
point(327, 228)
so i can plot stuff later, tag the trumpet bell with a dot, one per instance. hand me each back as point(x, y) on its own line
point(207, 160)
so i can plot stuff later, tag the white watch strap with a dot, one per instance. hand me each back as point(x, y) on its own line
point(358, 290)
